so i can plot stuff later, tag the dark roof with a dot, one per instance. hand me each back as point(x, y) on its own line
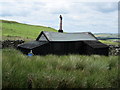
point(95, 44)
point(56, 36)
point(32, 44)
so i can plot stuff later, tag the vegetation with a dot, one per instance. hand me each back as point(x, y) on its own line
point(12, 30)
point(107, 35)
point(51, 71)
point(110, 42)
point(0, 69)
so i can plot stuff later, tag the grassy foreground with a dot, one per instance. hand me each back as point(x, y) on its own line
point(51, 71)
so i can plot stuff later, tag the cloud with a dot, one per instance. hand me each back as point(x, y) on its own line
point(77, 16)
point(105, 7)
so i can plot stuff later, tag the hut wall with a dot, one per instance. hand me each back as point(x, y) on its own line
point(88, 50)
point(95, 47)
point(42, 50)
point(23, 50)
point(66, 47)
point(101, 51)
point(98, 51)
point(62, 48)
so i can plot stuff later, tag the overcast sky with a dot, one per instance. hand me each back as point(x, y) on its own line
point(93, 16)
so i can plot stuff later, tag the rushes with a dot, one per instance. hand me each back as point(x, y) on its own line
point(51, 71)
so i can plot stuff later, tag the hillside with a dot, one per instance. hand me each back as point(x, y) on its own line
point(108, 38)
point(106, 35)
point(12, 30)
point(19, 30)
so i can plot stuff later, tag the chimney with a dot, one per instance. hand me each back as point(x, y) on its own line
point(60, 30)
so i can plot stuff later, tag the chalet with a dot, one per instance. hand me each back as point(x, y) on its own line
point(84, 43)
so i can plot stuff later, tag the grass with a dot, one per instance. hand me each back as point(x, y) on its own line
point(12, 29)
point(110, 42)
point(107, 35)
point(0, 69)
point(52, 71)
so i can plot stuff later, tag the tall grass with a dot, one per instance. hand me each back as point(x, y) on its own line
point(52, 71)
point(0, 69)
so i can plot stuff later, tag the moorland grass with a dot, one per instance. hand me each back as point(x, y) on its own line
point(109, 42)
point(0, 69)
point(52, 71)
point(15, 29)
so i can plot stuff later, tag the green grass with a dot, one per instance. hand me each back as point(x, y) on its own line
point(0, 69)
point(110, 42)
point(52, 71)
point(18, 30)
point(106, 35)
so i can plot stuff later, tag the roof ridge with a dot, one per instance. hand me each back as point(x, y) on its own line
point(67, 32)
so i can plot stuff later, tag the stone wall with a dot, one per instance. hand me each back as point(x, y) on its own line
point(114, 50)
point(10, 43)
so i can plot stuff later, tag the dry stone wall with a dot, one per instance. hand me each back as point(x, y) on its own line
point(10, 43)
point(114, 50)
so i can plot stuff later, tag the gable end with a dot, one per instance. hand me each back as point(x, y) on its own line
point(42, 37)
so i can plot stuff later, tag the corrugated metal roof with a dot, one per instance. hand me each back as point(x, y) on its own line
point(56, 36)
point(31, 45)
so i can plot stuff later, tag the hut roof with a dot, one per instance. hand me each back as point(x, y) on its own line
point(32, 44)
point(95, 44)
point(56, 36)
